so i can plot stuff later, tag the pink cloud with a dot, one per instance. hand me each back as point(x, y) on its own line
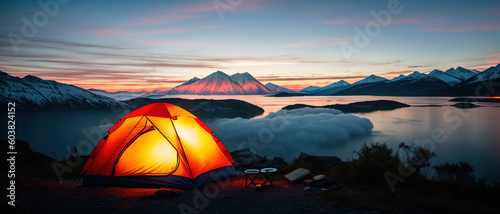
point(465, 28)
point(207, 7)
point(160, 19)
point(337, 41)
point(319, 42)
point(488, 60)
point(310, 43)
point(400, 21)
point(407, 21)
point(167, 31)
point(336, 21)
point(188, 12)
point(177, 44)
point(126, 33)
point(108, 32)
point(211, 26)
point(245, 5)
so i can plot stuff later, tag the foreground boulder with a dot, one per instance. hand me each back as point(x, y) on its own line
point(245, 159)
point(319, 162)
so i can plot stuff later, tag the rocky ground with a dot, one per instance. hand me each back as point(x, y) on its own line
point(39, 191)
point(48, 196)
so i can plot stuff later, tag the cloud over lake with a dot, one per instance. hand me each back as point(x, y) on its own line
point(286, 133)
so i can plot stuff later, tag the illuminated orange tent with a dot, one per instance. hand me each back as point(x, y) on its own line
point(158, 145)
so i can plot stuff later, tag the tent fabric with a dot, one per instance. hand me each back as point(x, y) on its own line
point(158, 144)
point(173, 181)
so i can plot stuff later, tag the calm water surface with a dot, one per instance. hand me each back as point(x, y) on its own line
point(469, 135)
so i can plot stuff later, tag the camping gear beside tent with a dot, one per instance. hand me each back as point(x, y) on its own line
point(251, 174)
point(297, 174)
point(269, 174)
point(158, 145)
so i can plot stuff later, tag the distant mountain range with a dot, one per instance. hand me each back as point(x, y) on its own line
point(452, 82)
point(35, 93)
point(32, 93)
point(120, 95)
point(219, 83)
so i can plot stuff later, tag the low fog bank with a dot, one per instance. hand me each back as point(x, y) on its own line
point(286, 133)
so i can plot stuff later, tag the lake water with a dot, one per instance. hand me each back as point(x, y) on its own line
point(470, 135)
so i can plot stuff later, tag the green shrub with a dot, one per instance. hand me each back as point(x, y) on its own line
point(368, 169)
point(416, 157)
point(461, 172)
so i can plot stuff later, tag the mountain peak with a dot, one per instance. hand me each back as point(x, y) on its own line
point(220, 83)
point(337, 84)
point(277, 89)
point(249, 83)
point(32, 78)
point(242, 76)
point(436, 71)
point(217, 75)
point(310, 89)
point(192, 80)
point(370, 79)
point(401, 76)
point(446, 77)
point(34, 92)
point(492, 72)
point(461, 73)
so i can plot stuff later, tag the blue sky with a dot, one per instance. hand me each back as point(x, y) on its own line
point(131, 45)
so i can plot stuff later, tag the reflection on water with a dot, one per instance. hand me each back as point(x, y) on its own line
point(469, 134)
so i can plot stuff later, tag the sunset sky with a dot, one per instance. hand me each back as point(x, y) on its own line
point(132, 45)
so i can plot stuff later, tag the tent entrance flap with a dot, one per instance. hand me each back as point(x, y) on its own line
point(149, 155)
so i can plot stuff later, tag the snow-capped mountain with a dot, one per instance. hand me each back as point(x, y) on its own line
point(484, 83)
point(249, 84)
point(488, 74)
point(332, 88)
point(194, 79)
point(337, 84)
point(119, 95)
point(215, 83)
point(277, 89)
point(31, 92)
point(407, 86)
point(370, 79)
point(400, 77)
point(414, 76)
point(158, 93)
point(461, 73)
point(451, 80)
point(310, 89)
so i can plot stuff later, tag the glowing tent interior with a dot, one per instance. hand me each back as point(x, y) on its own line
point(158, 145)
